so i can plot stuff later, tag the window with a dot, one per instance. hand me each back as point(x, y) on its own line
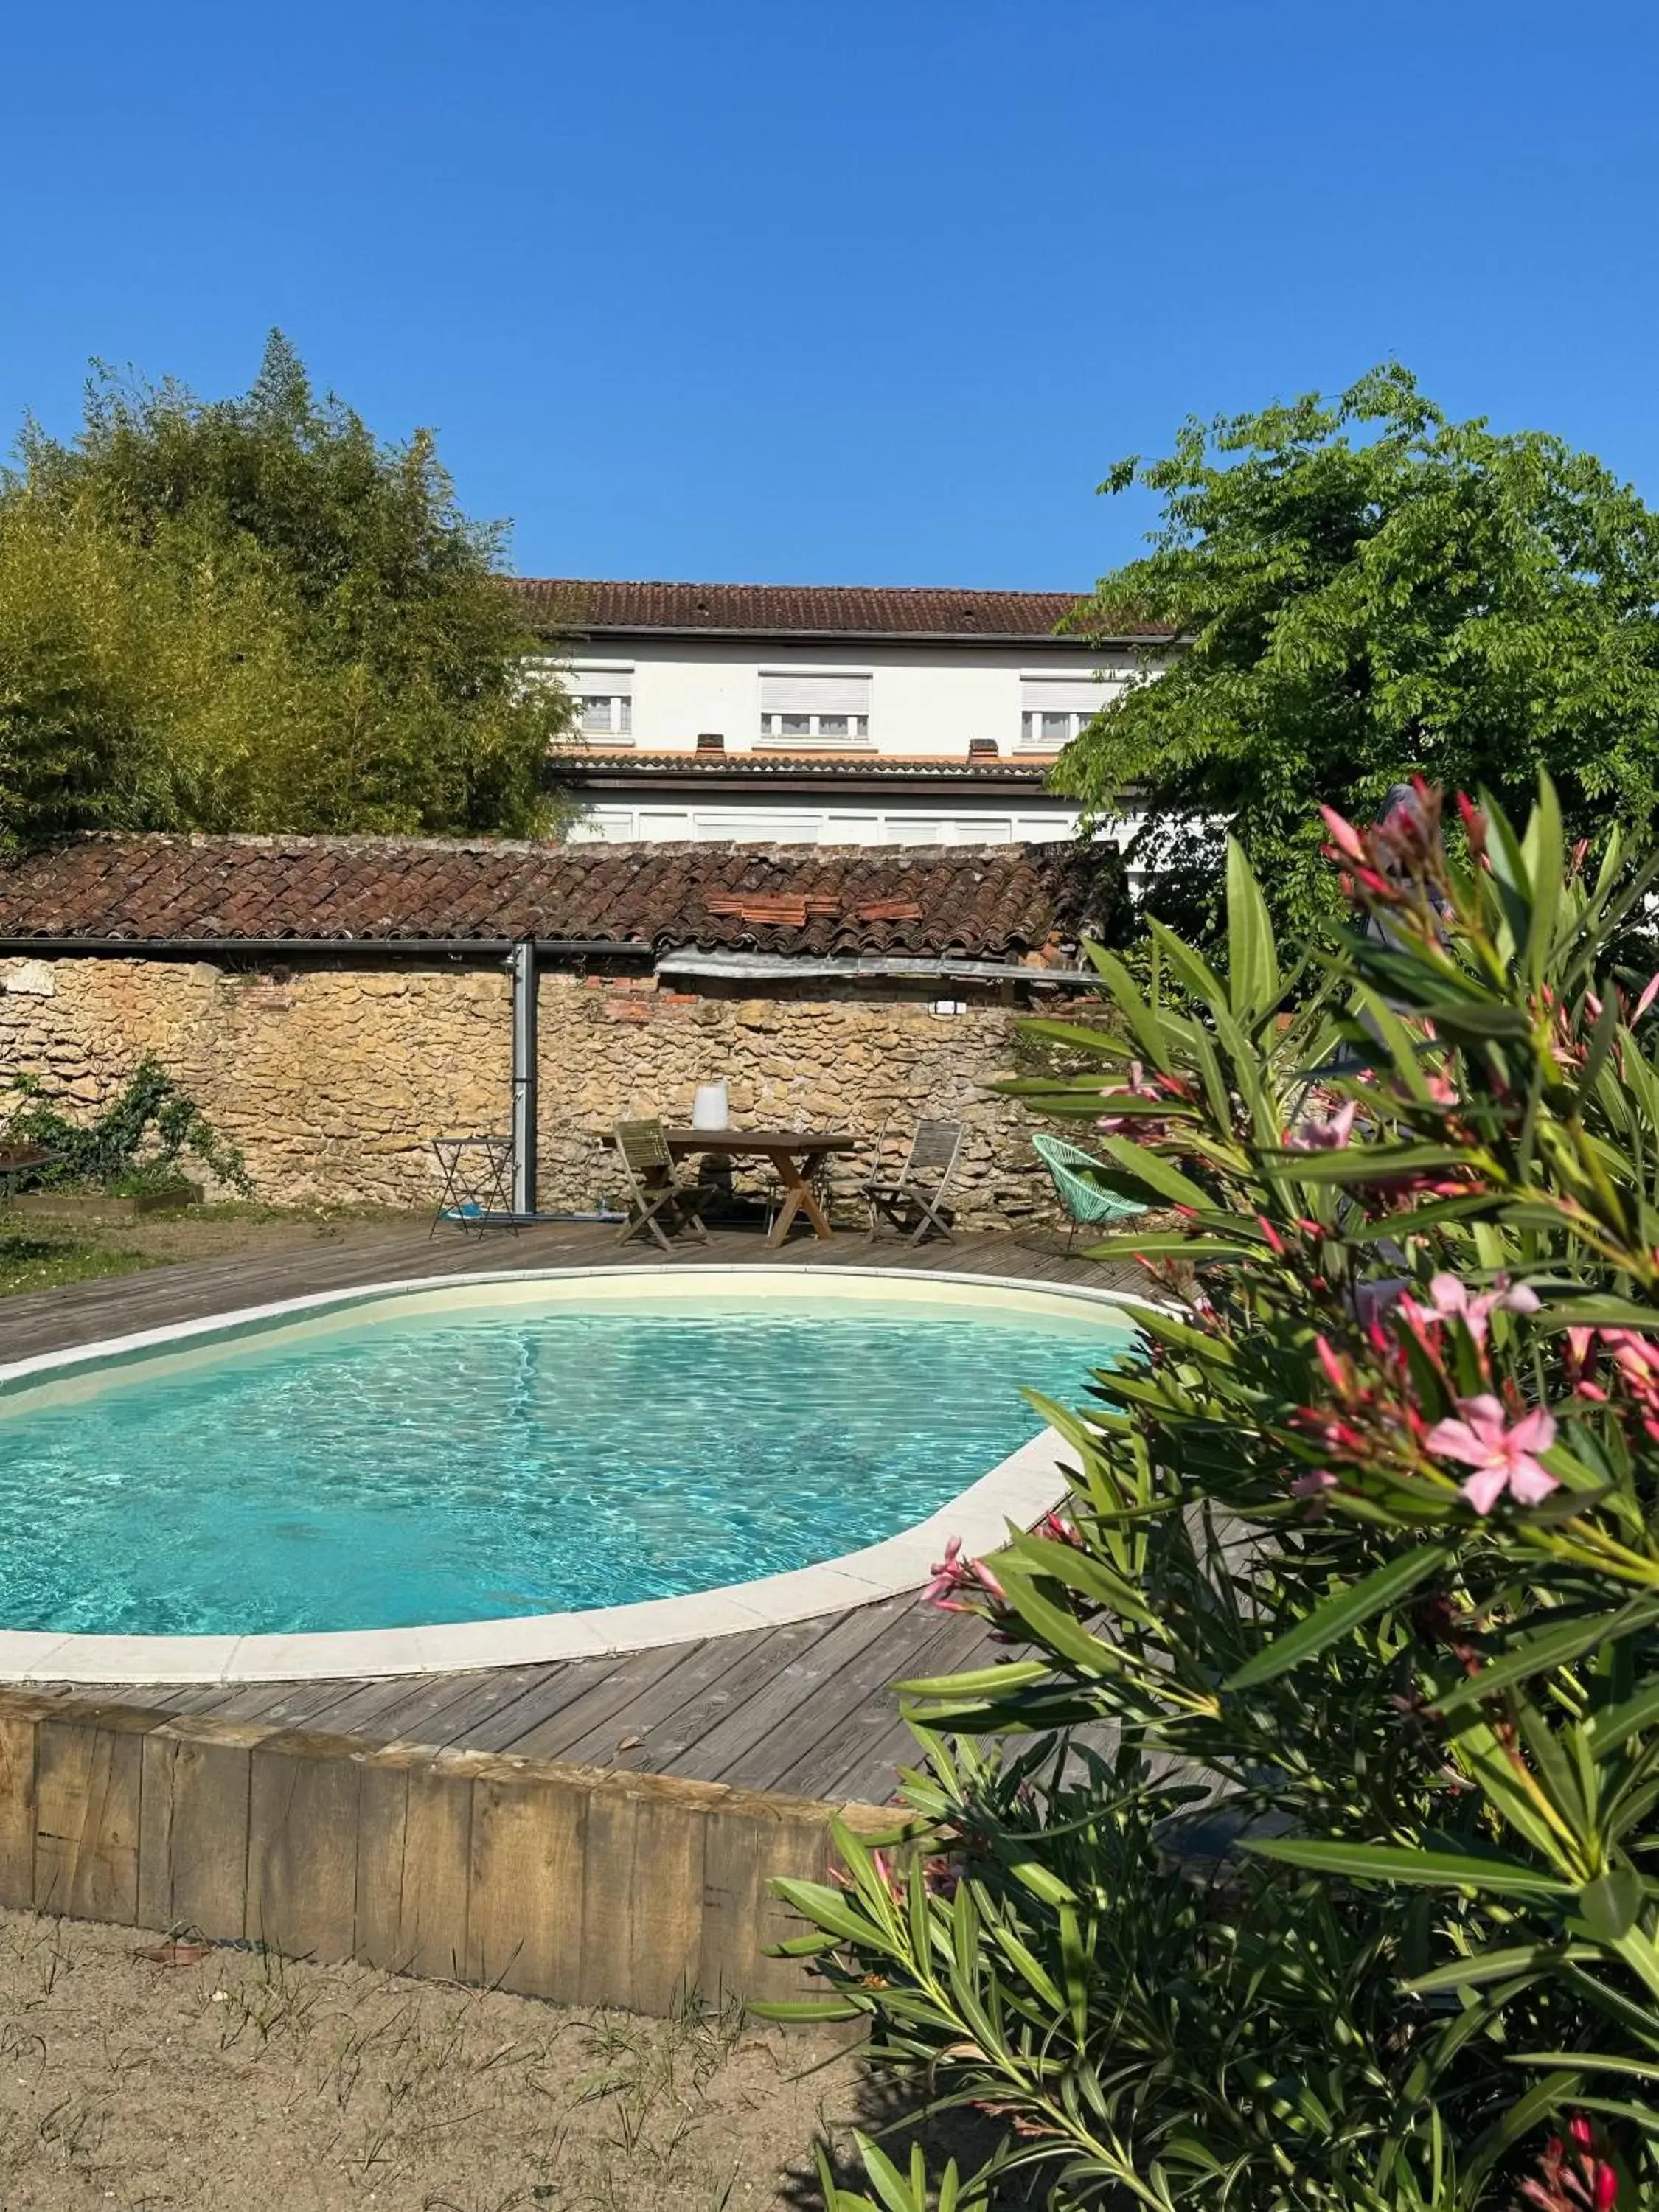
point(605, 701)
point(1047, 731)
point(1054, 709)
point(607, 714)
point(827, 709)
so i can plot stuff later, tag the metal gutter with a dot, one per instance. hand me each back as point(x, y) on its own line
point(784, 966)
point(1000, 640)
point(781, 967)
point(521, 966)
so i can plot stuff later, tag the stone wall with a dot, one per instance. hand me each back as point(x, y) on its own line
point(332, 1078)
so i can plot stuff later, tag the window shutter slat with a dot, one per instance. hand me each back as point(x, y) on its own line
point(815, 694)
point(1062, 695)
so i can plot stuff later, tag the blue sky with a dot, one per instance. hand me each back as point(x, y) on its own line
point(873, 293)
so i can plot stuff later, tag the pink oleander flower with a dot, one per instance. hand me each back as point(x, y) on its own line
point(1503, 1457)
point(954, 1576)
point(1571, 2175)
point(949, 1574)
point(1312, 1485)
point(1450, 1300)
point(1634, 1355)
point(1061, 1531)
point(1328, 1136)
point(1343, 835)
point(1136, 1087)
point(1649, 993)
point(1336, 1374)
point(1474, 822)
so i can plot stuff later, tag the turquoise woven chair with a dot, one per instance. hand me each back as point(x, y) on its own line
point(1085, 1203)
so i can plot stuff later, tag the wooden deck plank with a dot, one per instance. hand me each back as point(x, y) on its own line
point(903, 1646)
point(717, 1690)
point(78, 1313)
point(437, 1708)
point(856, 1756)
point(279, 1705)
point(654, 1713)
point(597, 1697)
point(475, 1722)
point(404, 1706)
point(765, 1713)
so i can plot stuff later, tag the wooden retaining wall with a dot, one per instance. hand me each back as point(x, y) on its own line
point(579, 1884)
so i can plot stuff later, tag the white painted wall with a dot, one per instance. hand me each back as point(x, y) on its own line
point(924, 700)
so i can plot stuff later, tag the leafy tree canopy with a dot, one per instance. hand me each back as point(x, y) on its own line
point(1367, 591)
point(251, 614)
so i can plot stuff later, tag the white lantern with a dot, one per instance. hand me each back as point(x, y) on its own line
point(711, 1108)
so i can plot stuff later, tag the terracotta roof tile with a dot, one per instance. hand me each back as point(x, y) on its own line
point(977, 900)
point(586, 605)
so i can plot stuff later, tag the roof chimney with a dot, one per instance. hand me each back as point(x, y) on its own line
point(710, 741)
point(983, 749)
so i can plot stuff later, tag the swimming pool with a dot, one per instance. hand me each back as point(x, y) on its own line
point(492, 1454)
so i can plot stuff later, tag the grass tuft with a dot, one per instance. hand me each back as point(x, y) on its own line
point(45, 1263)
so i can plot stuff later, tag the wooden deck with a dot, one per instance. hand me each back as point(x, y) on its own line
point(805, 1710)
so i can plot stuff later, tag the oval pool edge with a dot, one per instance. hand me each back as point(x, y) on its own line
point(1020, 1489)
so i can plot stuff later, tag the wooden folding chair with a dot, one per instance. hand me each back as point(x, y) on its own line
point(841, 1179)
point(657, 1190)
point(912, 1202)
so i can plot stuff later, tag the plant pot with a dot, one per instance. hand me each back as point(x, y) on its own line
point(168, 1201)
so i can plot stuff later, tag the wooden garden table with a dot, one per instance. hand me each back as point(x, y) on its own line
point(792, 1153)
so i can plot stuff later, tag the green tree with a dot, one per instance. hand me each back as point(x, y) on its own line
point(252, 614)
point(1369, 591)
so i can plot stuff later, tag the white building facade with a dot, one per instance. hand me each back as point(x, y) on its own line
point(820, 715)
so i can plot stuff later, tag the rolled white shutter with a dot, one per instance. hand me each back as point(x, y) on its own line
point(1062, 695)
point(591, 682)
point(814, 695)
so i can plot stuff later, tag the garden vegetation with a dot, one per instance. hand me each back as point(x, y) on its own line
point(1301, 1853)
point(1368, 590)
point(251, 614)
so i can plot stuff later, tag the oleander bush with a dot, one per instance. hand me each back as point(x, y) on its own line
point(1301, 1851)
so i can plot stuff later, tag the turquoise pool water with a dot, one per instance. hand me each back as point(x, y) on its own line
point(473, 1464)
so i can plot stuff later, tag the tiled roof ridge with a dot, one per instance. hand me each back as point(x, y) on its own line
point(291, 839)
point(885, 591)
point(591, 604)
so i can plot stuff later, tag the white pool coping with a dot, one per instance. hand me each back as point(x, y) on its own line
point(1014, 1494)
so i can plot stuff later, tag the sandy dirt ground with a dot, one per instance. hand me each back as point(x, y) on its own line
point(235, 2082)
